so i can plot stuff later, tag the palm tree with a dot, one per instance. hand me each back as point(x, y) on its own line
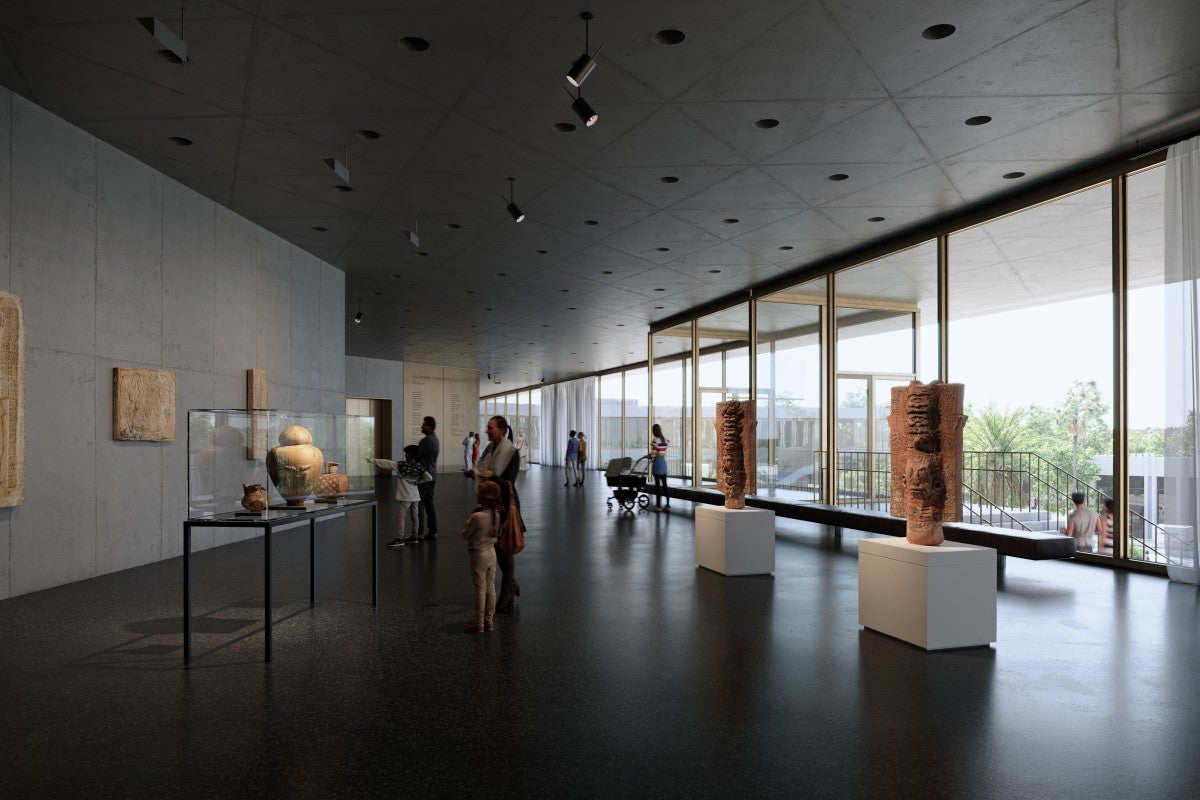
point(991, 433)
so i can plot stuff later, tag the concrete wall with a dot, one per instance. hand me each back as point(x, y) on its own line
point(118, 265)
point(379, 379)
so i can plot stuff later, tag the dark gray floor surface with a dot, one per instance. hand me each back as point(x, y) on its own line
point(626, 671)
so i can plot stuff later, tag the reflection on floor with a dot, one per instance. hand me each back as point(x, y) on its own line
point(625, 670)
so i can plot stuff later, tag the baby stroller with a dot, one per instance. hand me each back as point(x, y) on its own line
point(628, 480)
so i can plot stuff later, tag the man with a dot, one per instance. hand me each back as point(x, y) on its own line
point(1081, 523)
point(427, 455)
point(572, 460)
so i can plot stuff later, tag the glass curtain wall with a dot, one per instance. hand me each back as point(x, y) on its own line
point(637, 410)
point(723, 374)
point(612, 399)
point(533, 427)
point(1031, 337)
point(672, 349)
point(790, 392)
point(886, 336)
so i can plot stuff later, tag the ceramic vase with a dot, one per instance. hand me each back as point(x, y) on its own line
point(255, 497)
point(294, 465)
point(332, 484)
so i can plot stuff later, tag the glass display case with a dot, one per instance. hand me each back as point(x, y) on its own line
point(274, 462)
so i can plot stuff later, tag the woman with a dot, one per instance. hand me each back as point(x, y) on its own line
point(658, 449)
point(499, 461)
point(468, 446)
point(582, 458)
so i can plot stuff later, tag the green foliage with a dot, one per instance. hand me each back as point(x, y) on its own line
point(200, 430)
point(1081, 416)
point(1147, 440)
point(991, 430)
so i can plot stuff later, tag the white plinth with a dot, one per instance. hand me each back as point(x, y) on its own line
point(934, 597)
point(735, 541)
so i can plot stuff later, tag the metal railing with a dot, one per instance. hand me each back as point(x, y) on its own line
point(1012, 490)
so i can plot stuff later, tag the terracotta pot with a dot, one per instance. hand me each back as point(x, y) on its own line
point(295, 465)
point(255, 497)
point(332, 484)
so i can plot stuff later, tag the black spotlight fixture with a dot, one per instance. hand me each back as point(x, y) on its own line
point(514, 210)
point(175, 48)
point(583, 66)
point(582, 110)
point(358, 316)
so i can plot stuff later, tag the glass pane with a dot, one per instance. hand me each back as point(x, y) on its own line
point(611, 403)
point(637, 401)
point(1031, 340)
point(672, 412)
point(534, 431)
point(789, 392)
point(724, 344)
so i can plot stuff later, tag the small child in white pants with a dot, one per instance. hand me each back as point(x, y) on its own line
point(480, 532)
point(409, 474)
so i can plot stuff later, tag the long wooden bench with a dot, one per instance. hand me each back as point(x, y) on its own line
point(1034, 545)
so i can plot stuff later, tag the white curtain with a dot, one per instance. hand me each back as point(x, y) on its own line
point(1182, 349)
point(569, 406)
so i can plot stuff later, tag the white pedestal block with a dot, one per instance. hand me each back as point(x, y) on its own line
point(934, 597)
point(735, 541)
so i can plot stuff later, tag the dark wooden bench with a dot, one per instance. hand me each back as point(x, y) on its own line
point(1034, 545)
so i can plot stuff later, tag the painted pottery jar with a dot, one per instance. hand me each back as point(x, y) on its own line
point(332, 484)
point(295, 465)
point(255, 497)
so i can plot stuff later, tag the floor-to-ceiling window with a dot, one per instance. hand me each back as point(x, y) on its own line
point(637, 409)
point(672, 351)
point(790, 391)
point(612, 399)
point(1031, 338)
point(723, 373)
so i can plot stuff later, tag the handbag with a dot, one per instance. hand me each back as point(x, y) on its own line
point(511, 538)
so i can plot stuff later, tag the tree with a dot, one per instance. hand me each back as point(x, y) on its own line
point(1080, 415)
point(991, 430)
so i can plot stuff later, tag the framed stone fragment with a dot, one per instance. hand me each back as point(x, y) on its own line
point(143, 405)
point(12, 402)
point(256, 399)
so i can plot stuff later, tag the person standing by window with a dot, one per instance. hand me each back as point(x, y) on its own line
point(582, 463)
point(571, 460)
point(658, 468)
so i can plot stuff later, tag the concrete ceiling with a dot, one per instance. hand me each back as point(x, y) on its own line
point(274, 87)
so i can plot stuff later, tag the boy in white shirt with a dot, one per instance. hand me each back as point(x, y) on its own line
point(409, 473)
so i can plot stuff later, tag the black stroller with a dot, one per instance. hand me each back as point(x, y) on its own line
point(628, 480)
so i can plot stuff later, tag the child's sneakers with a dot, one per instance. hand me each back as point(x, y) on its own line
point(397, 542)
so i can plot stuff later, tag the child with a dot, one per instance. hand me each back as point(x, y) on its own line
point(409, 474)
point(480, 533)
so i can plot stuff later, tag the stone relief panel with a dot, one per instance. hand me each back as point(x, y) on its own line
point(12, 402)
point(143, 405)
point(927, 457)
point(736, 425)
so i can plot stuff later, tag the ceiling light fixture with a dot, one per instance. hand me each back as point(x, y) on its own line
point(514, 210)
point(583, 66)
point(413, 237)
point(358, 316)
point(587, 115)
point(176, 47)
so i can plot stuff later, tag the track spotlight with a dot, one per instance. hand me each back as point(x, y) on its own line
point(412, 236)
point(583, 66)
point(358, 316)
point(514, 210)
point(176, 47)
point(340, 169)
point(584, 111)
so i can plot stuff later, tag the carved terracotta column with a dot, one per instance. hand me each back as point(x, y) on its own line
point(926, 438)
point(736, 426)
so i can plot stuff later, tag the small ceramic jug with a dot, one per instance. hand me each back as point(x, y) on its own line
point(255, 497)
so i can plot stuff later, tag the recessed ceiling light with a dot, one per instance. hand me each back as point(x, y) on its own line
point(545, 325)
point(607, 272)
point(595, 343)
point(669, 179)
point(487, 309)
point(541, 252)
point(453, 226)
point(663, 249)
point(408, 311)
point(397, 276)
point(368, 134)
point(502, 274)
point(182, 141)
point(572, 308)
point(420, 253)
point(660, 290)
point(980, 120)
point(319, 229)
point(620, 324)
point(938, 31)
point(590, 222)
point(414, 43)
point(563, 127)
point(731, 220)
point(470, 291)
point(876, 219)
point(766, 122)
point(564, 290)
point(377, 294)
point(1011, 176)
point(787, 247)
point(713, 271)
point(669, 36)
point(659, 308)
point(574, 354)
point(839, 176)
point(341, 187)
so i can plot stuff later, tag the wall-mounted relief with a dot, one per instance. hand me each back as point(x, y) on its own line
point(12, 401)
point(143, 405)
point(256, 399)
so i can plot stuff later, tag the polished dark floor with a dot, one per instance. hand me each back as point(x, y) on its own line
point(625, 671)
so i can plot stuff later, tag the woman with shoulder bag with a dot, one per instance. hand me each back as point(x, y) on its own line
point(499, 461)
